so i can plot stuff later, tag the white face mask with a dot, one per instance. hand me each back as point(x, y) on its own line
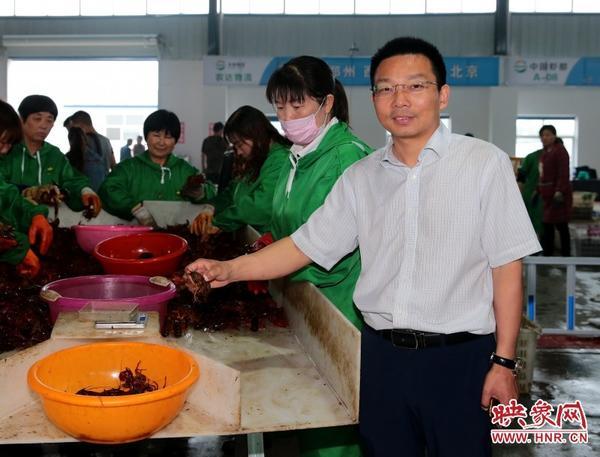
point(304, 130)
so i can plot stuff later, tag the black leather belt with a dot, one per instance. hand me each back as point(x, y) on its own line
point(412, 339)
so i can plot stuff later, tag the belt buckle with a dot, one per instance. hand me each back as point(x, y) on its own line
point(418, 337)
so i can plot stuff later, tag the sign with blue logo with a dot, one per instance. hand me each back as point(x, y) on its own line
point(351, 71)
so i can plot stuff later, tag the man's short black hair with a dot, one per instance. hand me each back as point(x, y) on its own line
point(217, 127)
point(163, 120)
point(411, 45)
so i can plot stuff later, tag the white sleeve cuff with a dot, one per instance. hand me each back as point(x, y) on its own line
point(87, 190)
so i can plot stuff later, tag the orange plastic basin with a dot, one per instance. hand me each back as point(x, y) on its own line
point(120, 419)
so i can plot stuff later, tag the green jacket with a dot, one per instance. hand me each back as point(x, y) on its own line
point(137, 179)
point(530, 173)
point(315, 175)
point(250, 202)
point(17, 212)
point(49, 166)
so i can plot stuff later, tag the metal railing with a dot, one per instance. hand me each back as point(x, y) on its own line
point(530, 263)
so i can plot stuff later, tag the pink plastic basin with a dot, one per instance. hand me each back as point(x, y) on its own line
point(88, 236)
point(149, 254)
point(71, 294)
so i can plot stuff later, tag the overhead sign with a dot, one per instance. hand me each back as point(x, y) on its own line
point(351, 71)
point(541, 71)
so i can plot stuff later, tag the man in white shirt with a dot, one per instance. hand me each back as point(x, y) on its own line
point(441, 229)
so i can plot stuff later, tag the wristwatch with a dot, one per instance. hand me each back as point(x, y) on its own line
point(515, 365)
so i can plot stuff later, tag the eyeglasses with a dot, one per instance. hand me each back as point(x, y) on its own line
point(386, 90)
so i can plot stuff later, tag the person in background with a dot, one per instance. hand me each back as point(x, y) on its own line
point(528, 176)
point(77, 147)
point(125, 152)
point(98, 157)
point(260, 152)
point(441, 281)
point(555, 189)
point(27, 222)
point(138, 147)
point(213, 149)
point(33, 162)
point(157, 174)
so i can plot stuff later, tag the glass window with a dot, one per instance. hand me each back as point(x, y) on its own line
point(522, 6)
point(586, 6)
point(444, 6)
point(236, 6)
point(195, 6)
point(117, 94)
point(129, 7)
point(266, 7)
point(301, 6)
point(96, 8)
point(408, 7)
point(162, 7)
point(336, 7)
point(7, 7)
point(478, 6)
point(31, 8)
point(528, 139)
point(63, 8)
point(372, 6)
point(553, 6)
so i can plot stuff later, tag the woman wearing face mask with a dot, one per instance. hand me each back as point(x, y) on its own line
point(260, 152)
point(313, 110)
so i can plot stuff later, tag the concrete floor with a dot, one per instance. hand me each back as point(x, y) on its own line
point(560, 375)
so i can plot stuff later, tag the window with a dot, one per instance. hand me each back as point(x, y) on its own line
point(528, 139)
point(554, 6)
point(345, 7)
point(117, 94)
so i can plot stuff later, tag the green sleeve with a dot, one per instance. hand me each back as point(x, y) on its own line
point(16, 255)
point(225, 198)
point(253, 202)
point(17, 211)
point(116, 194)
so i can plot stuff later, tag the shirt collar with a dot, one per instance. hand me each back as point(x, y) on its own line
point(437, 143)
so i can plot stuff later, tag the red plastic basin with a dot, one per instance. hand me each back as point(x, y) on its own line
point(88, 236)
point(71, 294)
point(148, 254)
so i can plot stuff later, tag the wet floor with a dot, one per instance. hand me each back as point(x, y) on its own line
point(560, 376)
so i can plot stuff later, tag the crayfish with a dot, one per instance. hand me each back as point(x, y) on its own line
point(130, 383)
point(47, 194)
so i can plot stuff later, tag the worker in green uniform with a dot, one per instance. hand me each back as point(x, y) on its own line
point(528, 176)
point(34, 162)
point(313, 110)
point(156, 174)
point(260, 153)
point(17, 213)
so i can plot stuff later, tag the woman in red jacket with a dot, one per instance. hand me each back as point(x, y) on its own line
point(555, 190)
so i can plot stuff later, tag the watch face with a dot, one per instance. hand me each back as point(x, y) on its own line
point(519, 364)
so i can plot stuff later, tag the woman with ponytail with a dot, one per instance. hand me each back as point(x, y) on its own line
point(313, 110)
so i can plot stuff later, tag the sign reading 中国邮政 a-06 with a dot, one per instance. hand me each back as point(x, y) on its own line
point(558, 71)
point(351, 71)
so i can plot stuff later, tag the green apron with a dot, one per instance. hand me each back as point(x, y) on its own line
point(293, 203)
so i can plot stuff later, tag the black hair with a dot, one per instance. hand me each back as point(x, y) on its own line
point(81, 118)
point(411, 45)
point(77, 148)
point(249, 123)
point(217, 127)
point(163, 120)
point(10, 124)
point(37, 104)
point(308, 76)
point(548, 127)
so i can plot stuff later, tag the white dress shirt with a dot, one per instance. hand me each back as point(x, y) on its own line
point(429, 236)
